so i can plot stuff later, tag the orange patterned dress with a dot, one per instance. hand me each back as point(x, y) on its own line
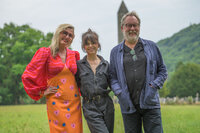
point(63, 107)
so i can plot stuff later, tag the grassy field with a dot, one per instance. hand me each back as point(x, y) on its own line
point(33, 119)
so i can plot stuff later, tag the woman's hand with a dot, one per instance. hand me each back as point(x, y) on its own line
point(50, 90)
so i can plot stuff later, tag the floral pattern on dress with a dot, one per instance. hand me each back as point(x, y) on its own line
point(73, 125)
point(57, 94)
point(55, 122)
point(78, 107)
point(68, 115)
point(63, 80)
point(56, 112)
point(66, 102)
point(62, 105)
point(71, 87)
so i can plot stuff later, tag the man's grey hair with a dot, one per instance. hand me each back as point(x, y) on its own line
point(132, 13)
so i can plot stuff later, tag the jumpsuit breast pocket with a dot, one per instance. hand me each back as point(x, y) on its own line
point(84, 77)
point(102, 79)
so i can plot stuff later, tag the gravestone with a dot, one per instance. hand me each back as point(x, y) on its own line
point(197, 98)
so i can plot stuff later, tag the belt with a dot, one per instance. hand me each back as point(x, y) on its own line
point(94, 98)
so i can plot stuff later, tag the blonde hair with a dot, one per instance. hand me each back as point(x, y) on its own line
point(55, 40)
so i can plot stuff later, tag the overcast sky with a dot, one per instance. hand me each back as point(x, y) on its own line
point(159, 18)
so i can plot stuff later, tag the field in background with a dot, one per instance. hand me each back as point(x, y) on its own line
point(33, 119)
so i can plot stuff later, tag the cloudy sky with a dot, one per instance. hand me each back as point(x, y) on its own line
point(159, 18)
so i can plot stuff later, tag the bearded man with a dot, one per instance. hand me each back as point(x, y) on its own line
point(137, 72)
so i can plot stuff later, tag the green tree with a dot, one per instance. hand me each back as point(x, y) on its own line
point(164, 91)
point(182, 46)
point(185, 81)
point(17, 46)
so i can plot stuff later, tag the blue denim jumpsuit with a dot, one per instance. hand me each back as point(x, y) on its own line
point(98, 107)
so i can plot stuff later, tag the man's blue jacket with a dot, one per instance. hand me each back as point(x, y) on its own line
point(156, 74)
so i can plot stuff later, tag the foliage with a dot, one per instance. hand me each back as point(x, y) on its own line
point(185, 81)
point(164, 91)
point(183, 46)
point(17, 46)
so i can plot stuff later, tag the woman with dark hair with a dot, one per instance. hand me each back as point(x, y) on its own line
point(93, 80)
point(51, 74)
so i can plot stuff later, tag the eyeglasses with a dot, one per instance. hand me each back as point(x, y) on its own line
point(131, 25)
point(132, 52)
point(67, 34)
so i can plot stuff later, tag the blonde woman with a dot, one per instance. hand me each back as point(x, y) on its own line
point(51, 74)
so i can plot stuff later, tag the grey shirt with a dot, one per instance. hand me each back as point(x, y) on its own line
point(135, 71)
point(92, 84)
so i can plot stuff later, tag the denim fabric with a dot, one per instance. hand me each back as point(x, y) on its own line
point(150, 118)
point(93, 84)
point(156, 74)
point(99, 115)
point(98, 111)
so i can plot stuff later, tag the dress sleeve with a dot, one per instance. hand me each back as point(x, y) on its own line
point(77, 54)
point(34, 77)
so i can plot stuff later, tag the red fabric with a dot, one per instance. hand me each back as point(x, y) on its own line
point(44, 67)
point(78, 58)
point(77, 55)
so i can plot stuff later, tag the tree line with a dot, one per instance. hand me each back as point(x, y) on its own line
point(183, 82)
point(19, 43)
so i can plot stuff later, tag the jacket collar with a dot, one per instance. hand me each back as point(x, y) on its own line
point(84, 60)
point(123, 42)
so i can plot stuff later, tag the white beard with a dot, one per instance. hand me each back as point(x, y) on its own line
point(131, 39)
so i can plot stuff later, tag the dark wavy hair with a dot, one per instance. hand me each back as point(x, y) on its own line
point(90, 36)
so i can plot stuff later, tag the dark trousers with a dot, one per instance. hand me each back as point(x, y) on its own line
point(149, 118)
point(99, 115)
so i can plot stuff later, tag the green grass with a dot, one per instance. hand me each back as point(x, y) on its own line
point(181, 118)
point(33, 119)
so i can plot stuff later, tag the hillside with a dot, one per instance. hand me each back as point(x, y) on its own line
point(182, 46)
